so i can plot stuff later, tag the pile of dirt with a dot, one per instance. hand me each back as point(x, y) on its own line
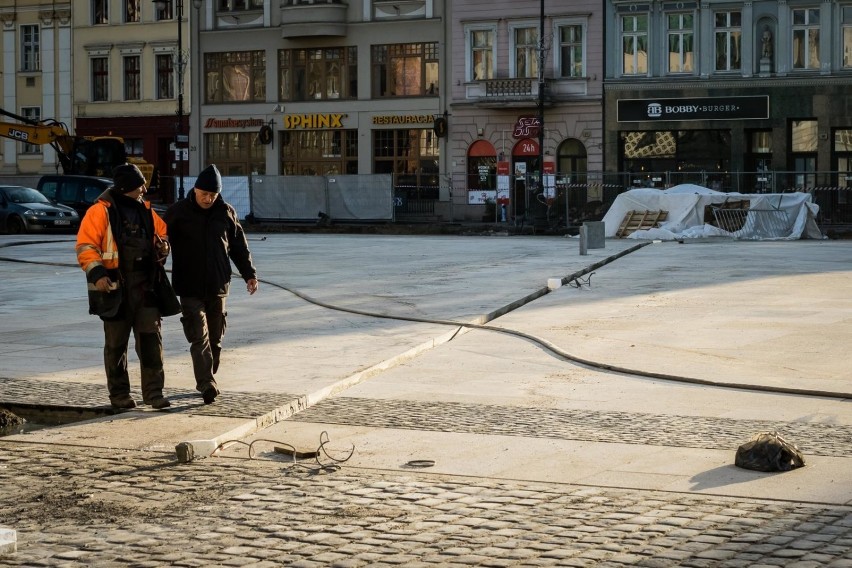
point(8, 419)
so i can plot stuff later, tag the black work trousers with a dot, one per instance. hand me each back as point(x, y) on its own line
point(144, 321)
point(204, 321)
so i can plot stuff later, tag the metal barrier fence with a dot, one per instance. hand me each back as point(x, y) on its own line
point(580, 197)
point(753, 224)
point(340, 197)
point(574, 199)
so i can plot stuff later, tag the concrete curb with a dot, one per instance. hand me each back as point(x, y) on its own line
point(8, 541)
point(190, 450)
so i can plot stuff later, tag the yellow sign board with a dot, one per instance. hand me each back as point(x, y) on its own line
point(297, 121)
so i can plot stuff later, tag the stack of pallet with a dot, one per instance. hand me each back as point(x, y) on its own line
point(638, 220)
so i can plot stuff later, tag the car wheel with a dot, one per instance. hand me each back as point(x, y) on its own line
point(15, 226)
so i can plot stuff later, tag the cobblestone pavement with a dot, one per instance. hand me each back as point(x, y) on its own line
point(132, 508)
point(583, 425)
point(83, 395)
point(139, 509)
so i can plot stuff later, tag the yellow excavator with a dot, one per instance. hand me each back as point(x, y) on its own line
point(80, 155)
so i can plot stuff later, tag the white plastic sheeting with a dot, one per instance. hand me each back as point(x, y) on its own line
point(342, 197)
point(686, 205)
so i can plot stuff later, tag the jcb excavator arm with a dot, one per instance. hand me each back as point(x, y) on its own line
point(45, 132)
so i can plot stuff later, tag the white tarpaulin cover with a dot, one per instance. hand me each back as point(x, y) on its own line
point(770, 216)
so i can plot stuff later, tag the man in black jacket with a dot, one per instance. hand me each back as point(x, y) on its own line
point(205, 235)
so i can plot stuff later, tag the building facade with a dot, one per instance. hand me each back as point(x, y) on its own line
point(128, 78)
point(316, 87)
point(36, 66)
point(742, 96)
point(98, 67)
point(526, 92)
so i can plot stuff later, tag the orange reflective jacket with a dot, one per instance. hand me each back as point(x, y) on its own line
point(95, 243)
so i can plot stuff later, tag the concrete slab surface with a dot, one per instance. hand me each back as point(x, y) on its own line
point(384, 372)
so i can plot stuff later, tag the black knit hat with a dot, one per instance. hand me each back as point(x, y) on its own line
point(209, 179)
point(127, 178)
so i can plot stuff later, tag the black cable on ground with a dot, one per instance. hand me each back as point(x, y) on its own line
point(537, 340)
point(320, 454)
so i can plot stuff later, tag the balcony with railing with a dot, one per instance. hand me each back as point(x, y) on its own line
point(313, 18)
point(507, 93)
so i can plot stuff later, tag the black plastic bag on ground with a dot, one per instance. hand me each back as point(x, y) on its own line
point(767, 451)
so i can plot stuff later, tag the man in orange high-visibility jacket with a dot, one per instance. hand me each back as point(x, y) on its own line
point(118, 245)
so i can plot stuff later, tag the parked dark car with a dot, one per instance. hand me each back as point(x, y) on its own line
point(25, 210)
point(79, 192)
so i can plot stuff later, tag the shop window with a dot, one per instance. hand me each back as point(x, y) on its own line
point(407, 69)
point(759, 159)
point(235, 77)
point(235, 153)
point(803, 147)
point(134, 147)
point(803, 136)
point(584, 201)
point(319, 152)
point(412, 157)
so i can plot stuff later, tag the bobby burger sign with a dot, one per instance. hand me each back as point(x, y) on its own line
point(706, 108)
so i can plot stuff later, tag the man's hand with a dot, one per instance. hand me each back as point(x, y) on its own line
point(251, 286)
point(105, 284)
point(163, 250)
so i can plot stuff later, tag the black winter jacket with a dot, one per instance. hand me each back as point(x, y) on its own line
point(204, 241)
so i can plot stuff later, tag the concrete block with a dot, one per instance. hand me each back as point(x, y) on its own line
point(195, 449)
point(595, 234)
point(8, 541)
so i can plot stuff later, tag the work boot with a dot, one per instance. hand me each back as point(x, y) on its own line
point(122, 401)
point(159, 402)
point(210, 394)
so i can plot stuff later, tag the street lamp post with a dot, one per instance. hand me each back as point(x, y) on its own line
point(180, 136)
point(541, 56)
